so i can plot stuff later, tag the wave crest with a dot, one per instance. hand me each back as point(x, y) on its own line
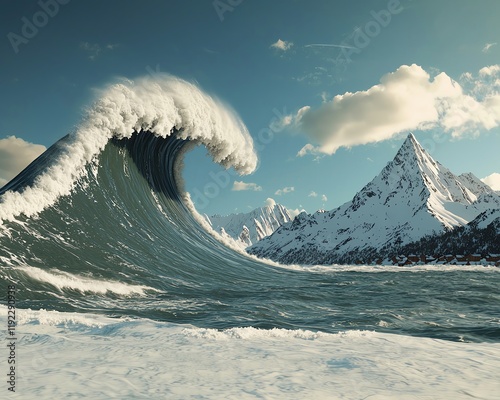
point(164, 105)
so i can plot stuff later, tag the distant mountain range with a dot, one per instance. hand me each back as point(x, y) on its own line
point(414, 205)
point(249, 228)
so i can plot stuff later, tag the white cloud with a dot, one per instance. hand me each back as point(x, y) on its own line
point(240, 186)
point(282, 45)
point(405, 100)
point(324, 198)
point(15, 155)
point(313, 194)
point(293, 213)
point(490, 70)
point(487, 47)
point(278, 124)
point(467, 76)
point(307, 149)
point(270, 202)
point(493, 181)
point(285, 190)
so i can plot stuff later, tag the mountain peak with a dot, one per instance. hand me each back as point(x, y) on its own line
point(411, 137)
point(413, 168)
point(411, 146)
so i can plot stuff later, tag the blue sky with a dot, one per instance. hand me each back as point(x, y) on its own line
point(268, 60)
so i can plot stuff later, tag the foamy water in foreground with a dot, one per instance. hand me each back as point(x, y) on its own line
point(71, 355)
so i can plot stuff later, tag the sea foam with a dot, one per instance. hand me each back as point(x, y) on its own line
point(68, 353)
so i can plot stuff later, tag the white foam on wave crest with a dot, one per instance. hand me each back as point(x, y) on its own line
point(252, 333)
point(65, 355)
point(159, 105)
point(65, 280)
point(56, 318)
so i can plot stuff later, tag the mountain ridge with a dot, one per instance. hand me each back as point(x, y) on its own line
point(249, 228)
point(413, 197)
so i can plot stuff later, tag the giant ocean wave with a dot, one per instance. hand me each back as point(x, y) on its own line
point(104, 207)
point(166, 107)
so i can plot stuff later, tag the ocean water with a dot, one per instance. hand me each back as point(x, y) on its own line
point(122, 293)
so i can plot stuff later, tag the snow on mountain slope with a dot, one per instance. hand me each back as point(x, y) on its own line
point(478, 237)
point(412, 197)
point(474, 184)
point(251, 227)
point(486, 218)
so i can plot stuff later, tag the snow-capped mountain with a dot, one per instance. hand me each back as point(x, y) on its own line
point(251, 227)
point(414, 196)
